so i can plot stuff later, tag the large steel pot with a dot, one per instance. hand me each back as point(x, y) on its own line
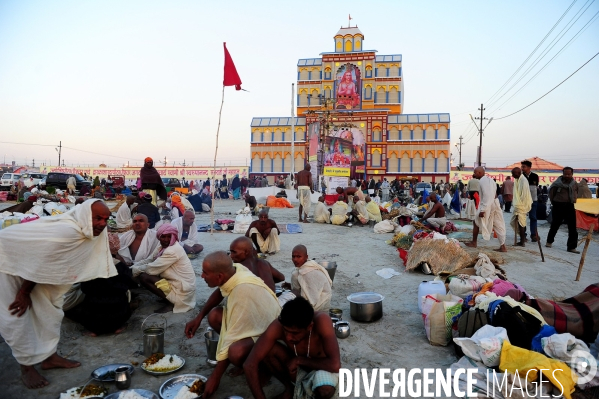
point(366, 306)
point(331, 268)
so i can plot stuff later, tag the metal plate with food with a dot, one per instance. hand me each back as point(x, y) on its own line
point(106, 373)
point(187, 386)
point(161, 364)
point(88, 391)
point(192, 256)
point(133, 394)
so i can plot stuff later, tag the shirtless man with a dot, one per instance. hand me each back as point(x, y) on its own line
point(265, 234)
point(310, 358)
point(346, 192)
point(304, 189)
point(436, 214)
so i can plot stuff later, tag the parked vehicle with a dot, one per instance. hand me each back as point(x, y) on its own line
point(8, 180)
point(421, 186)
point(593, 189)
point(171, 182)
point(59, 180)
point(37, 177)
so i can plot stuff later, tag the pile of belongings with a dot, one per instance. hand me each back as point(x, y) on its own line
point(497, 328)
point(274, 202)
point(243, 220)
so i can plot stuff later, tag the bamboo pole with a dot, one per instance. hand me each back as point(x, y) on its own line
point(584, 251)
point(540, 247)
point(214, 169)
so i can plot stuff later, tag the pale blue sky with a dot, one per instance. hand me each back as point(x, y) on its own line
point(143, 78)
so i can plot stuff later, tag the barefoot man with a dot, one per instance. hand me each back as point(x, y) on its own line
point(309, 358)
point(436, 213)
point(250, 308)
point(522, 203)
point(304, 189)
point(69, 248)
point(264, 232)
point(490, 215)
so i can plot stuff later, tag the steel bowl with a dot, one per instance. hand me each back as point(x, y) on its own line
point(336, 313)
point(366, 306)
point(342, 329)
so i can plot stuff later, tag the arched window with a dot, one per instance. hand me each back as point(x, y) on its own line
point(376, 134)
point(256, 164)
point(287, 163)
point(417, 163)
point(418, 134)
point(299, 163)
point(376, 158)
point(278, 135)
point(381, 71)
point(368, 71)
point(381, 96)
point(442, 164)
point(368, 92)
point(303, 99)
point(406, 134)
point(267, 136)
point(404, 165)
point(392, 164)
point(429, 162)
point(267, 164)
point(430, 133)
point(393, 95)
point(327, 92)
point(256, 136)
point(393, 133)
point(394, 70)
point(442, 133)
point(303, 74)
point(348, 46)
point(299, 136)
point(277, 164)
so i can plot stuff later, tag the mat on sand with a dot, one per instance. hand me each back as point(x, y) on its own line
point(290, 228)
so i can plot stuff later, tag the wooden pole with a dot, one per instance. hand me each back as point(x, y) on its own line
point(540, 247)
point(584, 251)
point(214, 170)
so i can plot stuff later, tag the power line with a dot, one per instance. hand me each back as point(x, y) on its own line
point(532, 53)
point(559, 84)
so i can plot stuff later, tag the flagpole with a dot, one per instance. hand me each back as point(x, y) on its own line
point(214, 170)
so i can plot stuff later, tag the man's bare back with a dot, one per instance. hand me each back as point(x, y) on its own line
point(304, 178)
point(438, 211)
point(264, 270)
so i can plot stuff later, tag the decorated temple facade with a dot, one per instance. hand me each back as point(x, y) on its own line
point(350, 111)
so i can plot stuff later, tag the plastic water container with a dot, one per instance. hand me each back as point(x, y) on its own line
point(430, 287)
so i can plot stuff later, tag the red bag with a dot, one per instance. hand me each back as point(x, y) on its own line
point(403, 255)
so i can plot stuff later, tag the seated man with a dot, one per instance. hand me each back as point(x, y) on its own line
point(321, 213)
point(250, 307)
point(242, 251)
point(374, 212)
point(168, 273)
point(309, 361)
point(139, 243)
point(150, 210)
point(250, 201)
point(435, 216)
point(188, 233)
point(310, 280)
point(265, 234)
point(123, 216)
point(359, 213)
point(339, 211)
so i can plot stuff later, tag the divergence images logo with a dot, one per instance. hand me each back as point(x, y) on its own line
point(584, 366)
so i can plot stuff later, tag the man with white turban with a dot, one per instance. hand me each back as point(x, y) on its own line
point(489, 216)
point(522, 203)
point(69, 248)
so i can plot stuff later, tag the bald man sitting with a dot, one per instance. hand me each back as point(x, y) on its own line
point(188, 232)
point(264, 233)
point(123, 215)
point(250, 308)
point(242, 251)
point(310, 280)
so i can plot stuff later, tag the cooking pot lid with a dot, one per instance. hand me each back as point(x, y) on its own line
point(365, 297)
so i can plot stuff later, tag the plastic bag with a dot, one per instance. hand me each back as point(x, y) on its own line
point(485, 345)
point(384, 227)
point(439, 312)
point(464, 285)
point(242, 223)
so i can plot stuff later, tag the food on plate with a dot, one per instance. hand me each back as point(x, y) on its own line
point(191, 392)
point(90, 390)
point(160, 362)
point(130, 395)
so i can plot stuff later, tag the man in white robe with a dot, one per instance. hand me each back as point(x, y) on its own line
point(188, 233)
point(359, 212)
point(339, 212)
point(321, 213)
point(310, 280)
point(522, 203)
point(139, 243)
point(123, 216)
point(69, 248)
point(489, 216)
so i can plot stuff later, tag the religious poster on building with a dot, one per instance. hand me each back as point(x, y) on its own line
point(348, 85)
point(314, 145)
point(356, 136)
point(332, 182)
point(545, 178)
point(337, 156)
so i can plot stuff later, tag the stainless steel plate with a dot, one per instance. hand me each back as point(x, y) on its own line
point(171, 387)
point(158, 373)
point(143, 392)
point(109, 370)
point(365, 297)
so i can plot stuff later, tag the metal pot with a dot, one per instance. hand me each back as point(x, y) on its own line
point(342, 329)
point(365, 306)
point(331, 268)
point(333, 312)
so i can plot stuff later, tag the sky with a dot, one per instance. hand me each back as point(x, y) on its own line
point(116, 81)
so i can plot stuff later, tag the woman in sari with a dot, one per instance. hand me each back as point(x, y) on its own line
point(236, 187)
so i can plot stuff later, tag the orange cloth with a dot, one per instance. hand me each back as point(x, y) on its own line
point(584, 220)
point(176, 202)
point(148, 159)
point(274, 202)
point(485, 288)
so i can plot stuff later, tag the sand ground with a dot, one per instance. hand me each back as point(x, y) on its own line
point(397, 340)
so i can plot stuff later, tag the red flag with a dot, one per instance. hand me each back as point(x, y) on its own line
point(231, 76)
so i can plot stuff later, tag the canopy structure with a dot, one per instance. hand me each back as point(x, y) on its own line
point(538, 164)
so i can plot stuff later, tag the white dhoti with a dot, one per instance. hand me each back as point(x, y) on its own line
point(271, 244)
point(438, 223)
point(492, 221)
point(303, 195)
point(471, 209)
point(34, 336)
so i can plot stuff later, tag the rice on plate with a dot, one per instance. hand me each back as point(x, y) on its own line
point(130, 395)
point(160, 362)
point(90, 390)
point(191, 392)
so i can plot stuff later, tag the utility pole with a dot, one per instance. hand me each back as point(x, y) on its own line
point(183, 164)
point(459, 147)
point(33, 163)
point(165, 162)
point(480, 132)
point(59, 151)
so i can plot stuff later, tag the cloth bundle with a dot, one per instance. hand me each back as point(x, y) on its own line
point(463, 285)
point(439, 312)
